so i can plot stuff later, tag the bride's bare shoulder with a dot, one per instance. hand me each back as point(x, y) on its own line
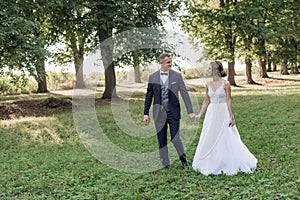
point(226, 84)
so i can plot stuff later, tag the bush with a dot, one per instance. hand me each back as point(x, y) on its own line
point(53, 102)
point(61, 80)
point(192, 73)
point(18, 84)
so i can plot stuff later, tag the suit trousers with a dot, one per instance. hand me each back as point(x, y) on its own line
point(161, 125)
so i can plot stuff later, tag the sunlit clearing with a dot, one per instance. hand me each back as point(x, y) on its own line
point(39, 129)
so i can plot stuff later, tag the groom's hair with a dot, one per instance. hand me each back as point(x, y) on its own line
point(162, 56)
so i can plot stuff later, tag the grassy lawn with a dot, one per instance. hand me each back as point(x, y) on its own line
point(44, 157)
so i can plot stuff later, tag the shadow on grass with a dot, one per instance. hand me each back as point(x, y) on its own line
point(285, 79)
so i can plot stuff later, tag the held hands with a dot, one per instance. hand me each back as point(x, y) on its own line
point(231, 123)
point(198, 116)
point(192, 117)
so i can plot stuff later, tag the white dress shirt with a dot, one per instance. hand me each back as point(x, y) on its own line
point(164, 78)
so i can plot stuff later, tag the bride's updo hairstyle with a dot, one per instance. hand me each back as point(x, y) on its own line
point(218, 66)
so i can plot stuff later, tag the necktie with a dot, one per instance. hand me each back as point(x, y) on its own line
point(164, 74)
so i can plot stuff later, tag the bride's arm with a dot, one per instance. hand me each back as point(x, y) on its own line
point(229, 103)
point(204, 104)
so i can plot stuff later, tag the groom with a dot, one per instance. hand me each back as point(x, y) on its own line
point(163, 88)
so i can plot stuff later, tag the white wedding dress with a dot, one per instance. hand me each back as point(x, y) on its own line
point(220, 148)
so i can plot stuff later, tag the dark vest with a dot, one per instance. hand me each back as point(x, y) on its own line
point(165, 95)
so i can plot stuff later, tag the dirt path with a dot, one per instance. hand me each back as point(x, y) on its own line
point(55, 102)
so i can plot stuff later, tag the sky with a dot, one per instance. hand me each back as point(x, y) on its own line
point(91, 62)
point(175, 36)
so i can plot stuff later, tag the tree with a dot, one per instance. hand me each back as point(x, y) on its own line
point(279, 33)
point(22, 46)
point(104, 14)
point(148, 15)
point(142, 15)
point(122, 16)
point(214, 25)
point(40, 14)
point(246, 14)
point(288, 41)
point(263, 31)
point(72, 25)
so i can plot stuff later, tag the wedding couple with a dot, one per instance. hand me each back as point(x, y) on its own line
point(220, 149)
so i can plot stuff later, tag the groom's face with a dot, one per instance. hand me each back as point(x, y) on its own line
point(166, 63)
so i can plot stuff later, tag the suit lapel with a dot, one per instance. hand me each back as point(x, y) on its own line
point(171, 78)
point(157, 82)
point(157, 77)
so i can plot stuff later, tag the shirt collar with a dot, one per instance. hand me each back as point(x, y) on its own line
point(164, 72)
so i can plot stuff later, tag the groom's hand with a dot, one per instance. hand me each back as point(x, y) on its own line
point(192, 117)
point(146, 120)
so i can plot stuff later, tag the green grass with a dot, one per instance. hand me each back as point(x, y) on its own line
point(43, 158)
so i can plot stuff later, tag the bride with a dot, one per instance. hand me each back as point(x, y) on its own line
point(220, 148)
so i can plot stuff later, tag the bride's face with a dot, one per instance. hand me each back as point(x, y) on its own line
point(209, 70)
point(212, 70)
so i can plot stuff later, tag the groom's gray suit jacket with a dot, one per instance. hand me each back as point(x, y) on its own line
point(175, 85)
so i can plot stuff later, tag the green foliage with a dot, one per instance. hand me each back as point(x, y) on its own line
point(71, 26)
point(193, 73)
point(22, 84)
point(43, 158)
point(141, 15)
point(18, 84)
point(20, 45)
point(213, 27)
point(257, 29)
point(128, 76)
point(61, 80)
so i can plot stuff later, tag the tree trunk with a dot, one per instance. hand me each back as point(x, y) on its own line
point(262, 59)
point(294, 70)
point(231, 73)
point(262, 68)
point(222, 3)
point(269, 67)
point(137, 71)
point(41, 69)
point(105, 32)
point(78, 61)
point(110, 82)
point(249, 71)
point(230, 44)
point(274, 67)
point(110, 75)
point(248, 61)
point(284, 68)
point(42, 81)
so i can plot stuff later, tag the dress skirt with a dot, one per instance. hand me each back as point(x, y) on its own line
point(220, 149)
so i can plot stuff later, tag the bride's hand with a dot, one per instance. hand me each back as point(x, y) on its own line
point(232, 122)
point(198, 116)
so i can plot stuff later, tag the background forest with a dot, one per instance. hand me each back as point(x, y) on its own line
point(35, 33)
point(43, 154)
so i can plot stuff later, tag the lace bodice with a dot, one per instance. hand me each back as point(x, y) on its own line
point(218, 95)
